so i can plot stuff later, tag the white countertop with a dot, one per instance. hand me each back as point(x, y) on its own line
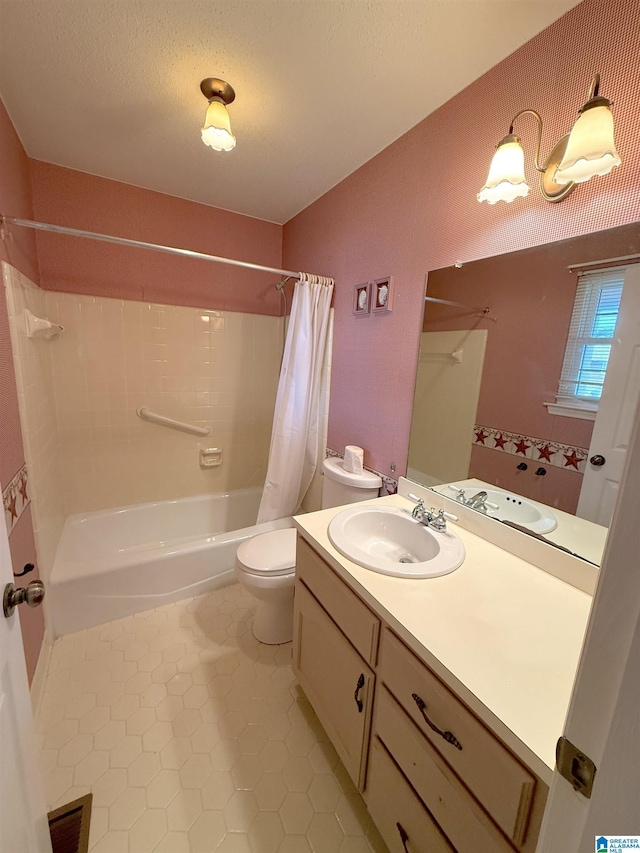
point(505, 635)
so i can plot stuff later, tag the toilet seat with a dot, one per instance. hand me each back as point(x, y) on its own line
point(270, 554)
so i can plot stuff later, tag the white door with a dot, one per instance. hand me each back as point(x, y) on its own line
point(23, 819)
point(603, 720)
point(612, 428)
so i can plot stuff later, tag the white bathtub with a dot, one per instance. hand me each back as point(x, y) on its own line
point(121, 561)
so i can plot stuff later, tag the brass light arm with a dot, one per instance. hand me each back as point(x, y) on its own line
point(536, 163)
point(595, 99)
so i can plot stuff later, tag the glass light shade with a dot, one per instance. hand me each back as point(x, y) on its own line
point(506, 179)
point(216, 132)
point(591, 149)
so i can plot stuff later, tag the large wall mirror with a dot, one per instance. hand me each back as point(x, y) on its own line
point(485, 428)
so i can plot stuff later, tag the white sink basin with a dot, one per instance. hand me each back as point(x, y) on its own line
point(389, 541)
point(512, 507)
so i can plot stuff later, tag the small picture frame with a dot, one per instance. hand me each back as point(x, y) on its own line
point(361, 299)
point(382, 295)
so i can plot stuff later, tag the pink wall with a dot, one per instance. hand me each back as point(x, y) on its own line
point(531, 294)
point(19, 250)
point(77, 200)
point(413, 208)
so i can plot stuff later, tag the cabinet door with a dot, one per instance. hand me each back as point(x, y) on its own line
point(336, 680)
point(359, 625)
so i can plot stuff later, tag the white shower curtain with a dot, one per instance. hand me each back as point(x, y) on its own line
point(293, 455)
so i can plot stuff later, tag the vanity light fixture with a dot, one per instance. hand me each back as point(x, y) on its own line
point(216, 132)
point(587, 151)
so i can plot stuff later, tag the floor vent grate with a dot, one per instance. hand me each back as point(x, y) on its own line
point(69, 826)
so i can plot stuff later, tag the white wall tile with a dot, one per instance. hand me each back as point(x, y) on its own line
point(36, 400)
point(80, 391)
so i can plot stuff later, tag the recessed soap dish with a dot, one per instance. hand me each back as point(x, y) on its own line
point(210, 457)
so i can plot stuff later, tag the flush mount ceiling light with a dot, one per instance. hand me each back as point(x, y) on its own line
point(216, 132)
point(587, 151)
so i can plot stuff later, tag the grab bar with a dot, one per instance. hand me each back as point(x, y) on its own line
point(146, 415)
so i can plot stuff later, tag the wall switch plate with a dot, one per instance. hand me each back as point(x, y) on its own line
point(211, 457)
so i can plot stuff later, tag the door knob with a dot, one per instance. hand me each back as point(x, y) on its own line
point(597, 460)
point(32, 595)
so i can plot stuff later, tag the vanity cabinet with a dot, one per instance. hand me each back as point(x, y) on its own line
point(434, 777)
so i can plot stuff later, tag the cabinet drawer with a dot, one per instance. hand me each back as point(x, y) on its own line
point(337, 682)
point(396, 809)
point(464, 823)
point(498, 780)
point(351, 615)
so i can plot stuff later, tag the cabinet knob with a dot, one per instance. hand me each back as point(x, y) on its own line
point(598, 460)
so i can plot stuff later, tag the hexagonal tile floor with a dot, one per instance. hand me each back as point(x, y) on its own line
point(193, 736)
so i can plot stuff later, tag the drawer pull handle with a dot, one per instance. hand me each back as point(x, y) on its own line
point(359, 687)
point(403, 836)
point(450, 738)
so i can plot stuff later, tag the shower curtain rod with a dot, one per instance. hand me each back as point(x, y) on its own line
point(138, 244)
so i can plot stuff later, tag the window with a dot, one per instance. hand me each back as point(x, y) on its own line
point(593, 323)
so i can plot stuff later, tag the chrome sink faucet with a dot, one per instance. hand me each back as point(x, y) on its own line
point(478, 501)
point(429, 517)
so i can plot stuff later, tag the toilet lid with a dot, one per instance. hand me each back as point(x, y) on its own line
point(272, 553)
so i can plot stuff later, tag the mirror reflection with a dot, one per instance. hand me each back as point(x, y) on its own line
point(500, 423)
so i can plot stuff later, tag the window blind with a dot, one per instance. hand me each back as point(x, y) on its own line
point(593, 323)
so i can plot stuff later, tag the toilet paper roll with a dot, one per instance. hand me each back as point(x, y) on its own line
point(353, 459)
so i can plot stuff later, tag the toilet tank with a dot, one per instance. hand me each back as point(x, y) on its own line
point(341, 487)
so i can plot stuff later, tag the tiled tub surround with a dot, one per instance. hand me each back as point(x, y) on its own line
point(34, 377)
point(193, 737)
point(210, 368)
point(81, 390)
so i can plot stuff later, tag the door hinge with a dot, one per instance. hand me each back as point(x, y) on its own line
point(576, 767)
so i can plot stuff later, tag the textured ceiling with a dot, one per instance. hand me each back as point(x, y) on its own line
point(112, 88)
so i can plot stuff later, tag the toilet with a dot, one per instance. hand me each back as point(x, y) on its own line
point(266, 563)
